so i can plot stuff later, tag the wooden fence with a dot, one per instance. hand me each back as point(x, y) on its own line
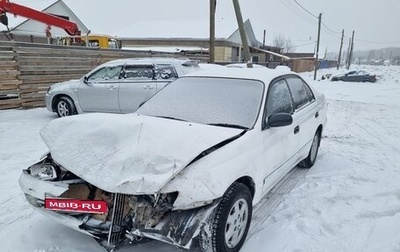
point(27, 70)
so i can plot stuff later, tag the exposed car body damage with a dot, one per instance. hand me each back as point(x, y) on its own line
point(129, 217)
point(142, 161)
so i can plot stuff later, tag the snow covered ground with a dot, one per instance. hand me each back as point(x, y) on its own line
point(349, 201)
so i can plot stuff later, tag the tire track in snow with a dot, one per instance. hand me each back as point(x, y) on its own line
point(270, 202)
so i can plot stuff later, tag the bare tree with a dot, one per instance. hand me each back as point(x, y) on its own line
point(285, 43)
point(371, 56)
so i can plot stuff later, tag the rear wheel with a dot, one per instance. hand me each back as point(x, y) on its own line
point(65, 107)
point(309, 161)
point(230, 221)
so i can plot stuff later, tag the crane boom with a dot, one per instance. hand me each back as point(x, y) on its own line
point(69, 27)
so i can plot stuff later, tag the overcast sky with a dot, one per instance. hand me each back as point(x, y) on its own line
point(375, 21)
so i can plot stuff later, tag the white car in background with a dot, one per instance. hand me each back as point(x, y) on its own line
point(119, 86)
point(190, 163)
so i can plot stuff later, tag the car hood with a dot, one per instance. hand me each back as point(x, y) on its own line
point(130, 154)
point(66, 84)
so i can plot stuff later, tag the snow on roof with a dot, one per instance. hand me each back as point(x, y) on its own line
point(198, 29)
point(169, 49)
point(262, 74)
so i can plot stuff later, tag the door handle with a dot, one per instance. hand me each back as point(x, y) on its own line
point(296, 129)
point(316, 114)
point(148, 87)
point(112, 87)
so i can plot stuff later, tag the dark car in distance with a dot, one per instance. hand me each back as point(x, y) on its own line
point(355, 76)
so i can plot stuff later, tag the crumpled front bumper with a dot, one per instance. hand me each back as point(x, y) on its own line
point(178, 227)
point(35, 191)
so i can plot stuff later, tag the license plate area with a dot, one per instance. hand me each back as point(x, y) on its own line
point(76, 206)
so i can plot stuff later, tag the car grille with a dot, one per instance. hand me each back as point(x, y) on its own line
point(117, 232)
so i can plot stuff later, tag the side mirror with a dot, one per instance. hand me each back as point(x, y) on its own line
point(279, 120)
point(4, 19)
point(85, 79)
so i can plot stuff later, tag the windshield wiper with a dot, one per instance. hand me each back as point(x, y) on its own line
point(172, 118)
point(228, 125)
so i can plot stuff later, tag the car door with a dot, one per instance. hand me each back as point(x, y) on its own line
point(99, 91)
point(305, 111)
point(165, 74)
point(137, 85)
point(280, 143)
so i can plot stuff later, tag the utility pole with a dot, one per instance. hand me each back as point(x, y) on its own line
point(340, 51)
point(243, 36)
point(316, 56)
point(265, 35)
point(351, 51)
point(213, 5)
point(348, 55)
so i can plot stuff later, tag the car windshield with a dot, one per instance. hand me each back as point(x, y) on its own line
point(214, 101)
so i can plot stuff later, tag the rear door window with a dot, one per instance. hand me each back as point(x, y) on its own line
point(138, 72)
point(165, 72)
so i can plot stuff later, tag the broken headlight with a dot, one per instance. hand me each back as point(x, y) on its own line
point(43, 171)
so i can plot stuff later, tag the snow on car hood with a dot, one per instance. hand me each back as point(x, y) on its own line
point(66, 84)
point(131, 153)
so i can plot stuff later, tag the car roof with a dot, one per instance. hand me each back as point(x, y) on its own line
point(265, 75)
point(137, 61)
point(244, 65)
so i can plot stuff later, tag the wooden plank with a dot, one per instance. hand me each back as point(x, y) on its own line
point(32, 79)
point(10, 82)
point(24, 87)
point(32, 95)
point(52, 73)
point(10, 64)
point(56, 67)
point(6, 57)
point(57, 54)
point(6, 48)
point(14, 102)
point(8, 72)
point(33, 103)
point(43, 82)
point(9, 87)
point(10, 106)
point(56, 58)
point(9, 92)
point(33, 90)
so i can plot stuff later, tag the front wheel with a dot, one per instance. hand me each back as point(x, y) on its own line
point(65, 107)
point(309, 161)
point(230, 221)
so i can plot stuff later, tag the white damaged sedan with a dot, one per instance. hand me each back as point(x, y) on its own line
point(187, 167)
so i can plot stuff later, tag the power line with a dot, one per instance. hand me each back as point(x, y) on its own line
point(295, 46)
point(305, 9)
point(329, 29)
point(298, 13)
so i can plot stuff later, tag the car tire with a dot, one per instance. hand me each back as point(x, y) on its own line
point(65, 107)
point(309, 161)
point(230, 221)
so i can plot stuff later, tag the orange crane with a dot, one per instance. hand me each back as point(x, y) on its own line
point(69, 27)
